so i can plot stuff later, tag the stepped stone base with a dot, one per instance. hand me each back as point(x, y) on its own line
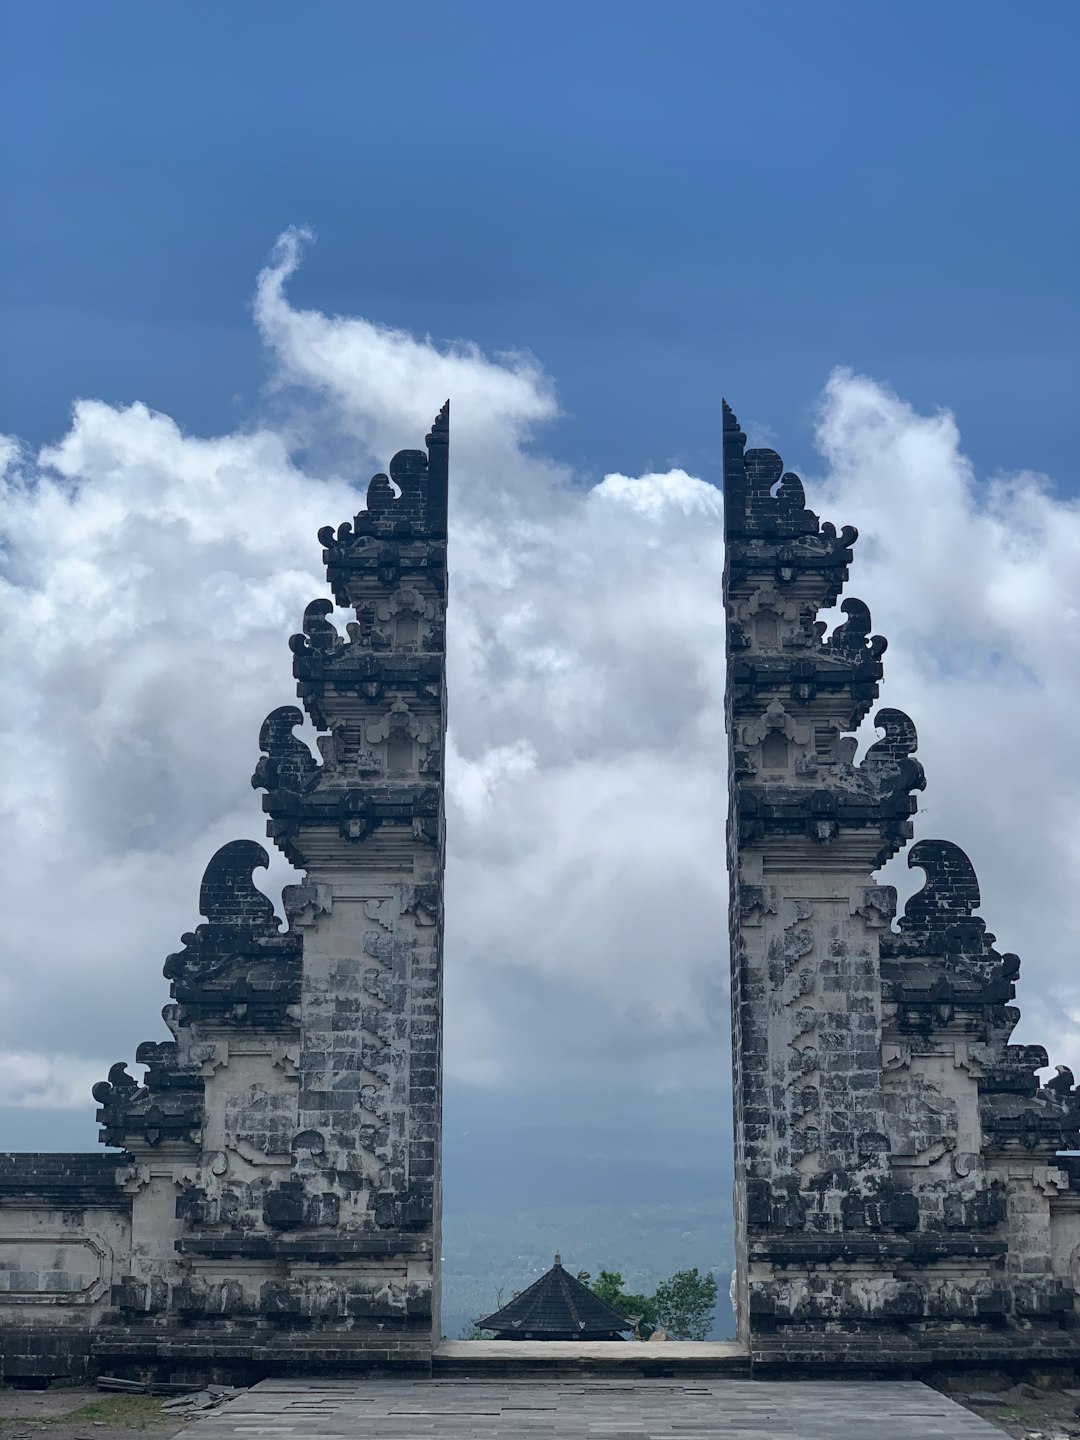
point(487, 1359)
point(37, 1354)
point(971, 1360)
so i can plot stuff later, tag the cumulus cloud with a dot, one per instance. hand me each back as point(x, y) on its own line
point(150, 582)
point(45, 1082)
point(150, 579)
point(976, 583)
point(380, 383)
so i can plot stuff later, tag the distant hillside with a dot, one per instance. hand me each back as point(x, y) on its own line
point(485, 1253)
point(637, 1181)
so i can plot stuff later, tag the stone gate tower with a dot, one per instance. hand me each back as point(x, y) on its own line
point(900, 1196)
point(275, 1202)
point(271, 1198)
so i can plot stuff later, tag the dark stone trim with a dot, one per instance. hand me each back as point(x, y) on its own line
point(70, 1180)
point(330, 1248)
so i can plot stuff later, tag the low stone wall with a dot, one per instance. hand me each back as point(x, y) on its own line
point(65, 1235)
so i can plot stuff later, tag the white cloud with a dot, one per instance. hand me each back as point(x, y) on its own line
point(977, 587)
point(152, 577)
point(45, 1082)
point(382, 384)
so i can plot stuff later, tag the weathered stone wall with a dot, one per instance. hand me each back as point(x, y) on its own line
point(65, 1237)
point(900, 1199)
point(275, 1205)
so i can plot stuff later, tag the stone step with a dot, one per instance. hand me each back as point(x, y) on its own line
point(490, 1359)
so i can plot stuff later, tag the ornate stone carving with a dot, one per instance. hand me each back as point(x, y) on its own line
point(287, 764)
point(237, 967)
point(882, 1117)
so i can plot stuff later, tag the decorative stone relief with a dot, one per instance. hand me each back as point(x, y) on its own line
point(281, 1153)
point(885, 1126)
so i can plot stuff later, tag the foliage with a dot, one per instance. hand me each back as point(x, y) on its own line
point(685, 1304)
point(472, 1331)
point(608, 1287)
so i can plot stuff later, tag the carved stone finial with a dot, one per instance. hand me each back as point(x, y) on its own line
point(228, 895)
point(380, 495)
point(438, 443)
point(768, 526)
point(288, 764)
point(890, 761)
point(118, 1084)
point(732, 431)
point(440, 427)
point(238, 963)
point(403, 526)
point(1062, 1082)
point(901, 737)
point(951, 892)
point(319, 633)
point(853, 636)
point(939, 919)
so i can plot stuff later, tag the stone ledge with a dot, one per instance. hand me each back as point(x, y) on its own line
point(919, 1249)
point(244, 1359)
point(490, 1358)
point(912, 1353)
point(329, 1248)
point(77, 1179)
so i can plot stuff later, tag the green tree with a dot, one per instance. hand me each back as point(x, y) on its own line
point(608, 1287)
point(685, 1304)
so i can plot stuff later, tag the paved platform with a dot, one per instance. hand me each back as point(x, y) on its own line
point(590, 1410)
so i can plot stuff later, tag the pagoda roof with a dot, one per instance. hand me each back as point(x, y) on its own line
point(557, 1306)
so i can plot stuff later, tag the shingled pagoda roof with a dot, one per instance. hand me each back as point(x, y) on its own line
point(556, 1307)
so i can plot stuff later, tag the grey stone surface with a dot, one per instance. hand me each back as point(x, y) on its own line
point(613, 1409)
point(900, 1195)
point(280, 1160)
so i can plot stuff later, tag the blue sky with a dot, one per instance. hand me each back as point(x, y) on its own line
point(662, 203)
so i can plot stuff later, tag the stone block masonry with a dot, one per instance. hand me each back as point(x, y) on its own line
point(272, 1203)
point(901, 1196)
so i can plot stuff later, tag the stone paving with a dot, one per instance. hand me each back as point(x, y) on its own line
point(583, 1409)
